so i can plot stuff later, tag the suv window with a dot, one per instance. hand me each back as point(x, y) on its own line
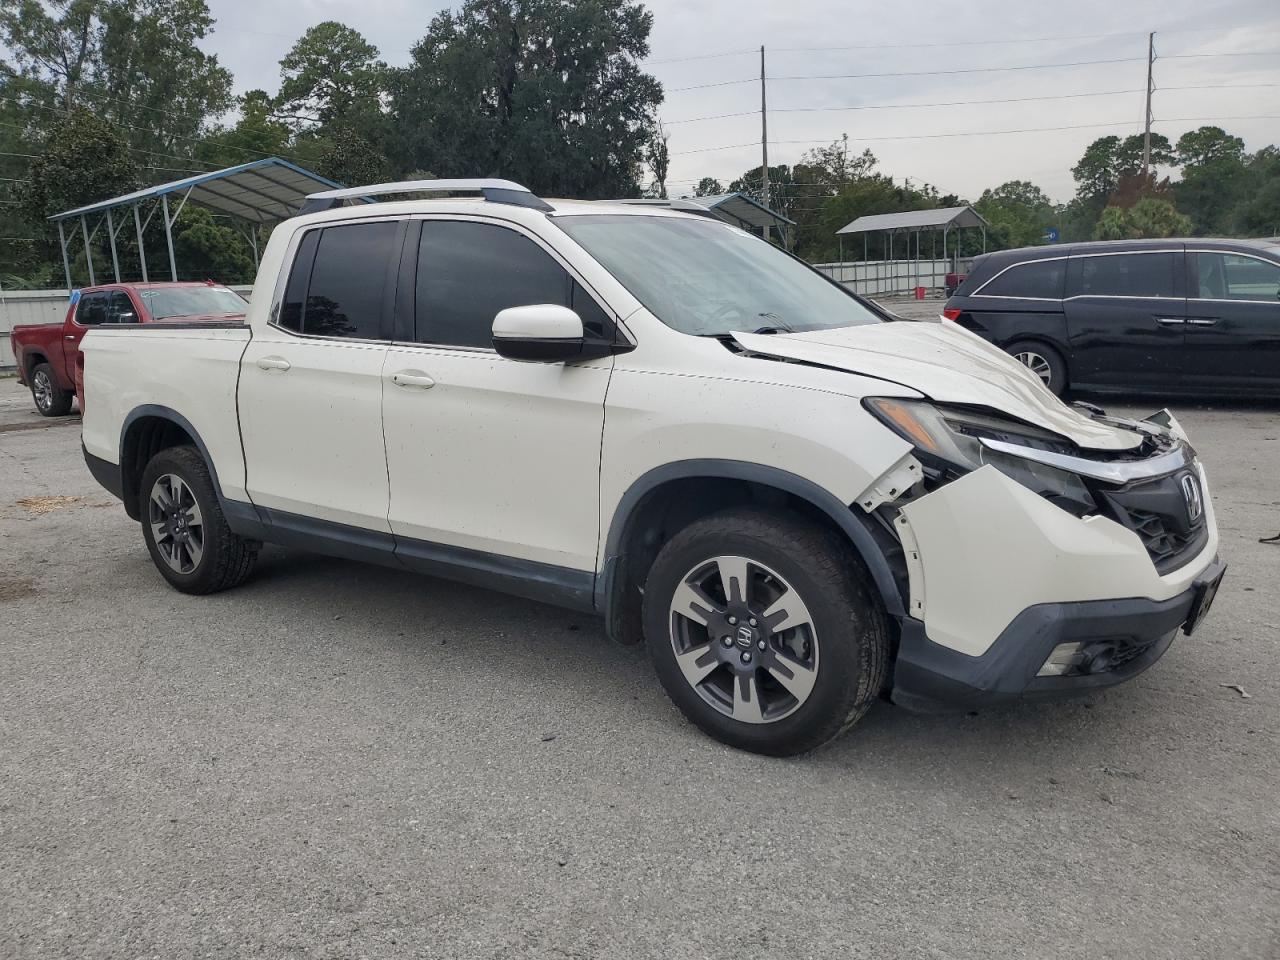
point(1035, 279)
point(92, 309)
point(1230, 276)
point(468, 272)
point(1124, 275)
point(339, 279)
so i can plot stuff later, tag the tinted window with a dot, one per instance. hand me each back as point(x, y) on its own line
point(92, 309)
point(1039, 279)
point(1136, 275)
point(1228, 276)
point(338, 280)
point(467, 272)
point(120, 309)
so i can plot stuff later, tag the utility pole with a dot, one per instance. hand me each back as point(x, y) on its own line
point(764, 140)
point(1146, 137)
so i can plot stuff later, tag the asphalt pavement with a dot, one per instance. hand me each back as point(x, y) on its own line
point(343, 761)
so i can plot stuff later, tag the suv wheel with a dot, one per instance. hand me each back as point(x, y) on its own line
point(1045, 362)
point(185, 529)
point(49, 399)
point(764, 631)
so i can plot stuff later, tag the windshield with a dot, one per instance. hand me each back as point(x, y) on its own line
point(706, 278)
point(191, 302)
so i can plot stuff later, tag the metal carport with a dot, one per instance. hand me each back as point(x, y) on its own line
point(264, 191)
point(915, 222)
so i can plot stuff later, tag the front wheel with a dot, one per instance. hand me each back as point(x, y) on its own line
point(185, 529)
point(50, 399)
point(764, 631)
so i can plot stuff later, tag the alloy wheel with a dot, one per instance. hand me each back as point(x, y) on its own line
point(177, 525)
point(1037, 365)
point(744, 639)
point(42, 390)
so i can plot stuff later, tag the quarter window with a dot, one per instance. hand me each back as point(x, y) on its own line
point(468, 272)
point(1035, 280)
point(1229, 276)
point(1125, 275)
point(120, 309)
point(338, 283)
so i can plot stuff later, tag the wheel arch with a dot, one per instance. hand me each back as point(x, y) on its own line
point(146, 431)
point(669, 497)
point(32, 359)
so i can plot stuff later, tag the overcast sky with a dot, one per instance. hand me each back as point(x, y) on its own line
point(250, 38)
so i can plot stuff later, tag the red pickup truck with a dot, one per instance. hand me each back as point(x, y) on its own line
point(48, 354)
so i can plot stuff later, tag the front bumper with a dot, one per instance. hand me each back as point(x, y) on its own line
point(931, 677)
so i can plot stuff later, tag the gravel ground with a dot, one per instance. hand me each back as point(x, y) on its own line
point(343, 761)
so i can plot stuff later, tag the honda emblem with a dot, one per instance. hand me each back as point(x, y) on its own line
point(1191, 493)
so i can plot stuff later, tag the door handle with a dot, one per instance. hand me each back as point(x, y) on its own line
point(1202, 321)
point(1171, 321)
point(412, 378)
point(69, 336)
point(273, 363)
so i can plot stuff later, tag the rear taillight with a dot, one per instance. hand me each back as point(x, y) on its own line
point(951, 313)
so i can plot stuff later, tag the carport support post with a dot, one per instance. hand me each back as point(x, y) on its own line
point(168, 236)
point(88, 254)
point(142, 252)
point(66, 263)
point(111, 232)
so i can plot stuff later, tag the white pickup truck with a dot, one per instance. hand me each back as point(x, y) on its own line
point(799, 504)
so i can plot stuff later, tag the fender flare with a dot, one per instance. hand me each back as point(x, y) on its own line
point(857, 531)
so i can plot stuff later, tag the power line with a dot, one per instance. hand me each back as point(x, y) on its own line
point(984, 133)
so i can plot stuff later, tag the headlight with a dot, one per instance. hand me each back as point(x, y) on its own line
point(948, 443)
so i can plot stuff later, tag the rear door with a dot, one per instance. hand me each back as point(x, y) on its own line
point(1126, 317)
point(92, 311)
point(310, 395)
point(1233, 320)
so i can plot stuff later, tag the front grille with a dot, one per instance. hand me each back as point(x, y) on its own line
point(1158, 512)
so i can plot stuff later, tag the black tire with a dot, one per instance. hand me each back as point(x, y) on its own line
point(1056, 366)
point(851, 628)
point(50, 400)
point(225, 560)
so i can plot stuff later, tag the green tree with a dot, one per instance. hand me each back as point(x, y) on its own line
point(1128, 153)
point(545, 92)
point(1018, 213)
point(1207, 145)
point(708, 187)
point(333, 75)
point(1148, 218)
point(82, 159)
point(347, 157)
point(658, 157)
point(207, 250)
point(256, 134)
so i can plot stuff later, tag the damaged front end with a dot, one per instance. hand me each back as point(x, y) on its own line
point(1032, 562)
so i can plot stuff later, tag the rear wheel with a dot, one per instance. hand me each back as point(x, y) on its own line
point(50, 400)
point(764, 631)
point(185, 529)
point(1045, 362)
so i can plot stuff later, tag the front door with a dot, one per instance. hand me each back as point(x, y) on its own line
point(310, 396)
point(1126, 318)
point(1233, 321)
point(489, 458)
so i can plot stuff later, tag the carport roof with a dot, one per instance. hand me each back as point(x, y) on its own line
point(263, 191)
point(917, 220)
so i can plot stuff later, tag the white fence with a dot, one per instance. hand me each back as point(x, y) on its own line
point(37, 306)
point(889, 277)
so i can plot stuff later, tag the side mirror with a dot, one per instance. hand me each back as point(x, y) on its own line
point(543, 332)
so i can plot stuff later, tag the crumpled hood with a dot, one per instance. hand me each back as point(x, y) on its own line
point(947, 364)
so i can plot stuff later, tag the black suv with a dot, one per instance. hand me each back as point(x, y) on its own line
point(1162, 316)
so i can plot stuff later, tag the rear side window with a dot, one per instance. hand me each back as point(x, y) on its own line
point(1229, 276)
point(1124, 275)
point(92, 309)
point(338, 284)
point(468, 272)
point(120, 309)
point(1033, 280)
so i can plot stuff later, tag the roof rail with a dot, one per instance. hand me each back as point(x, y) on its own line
point(494, 191)
point(686, 206)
